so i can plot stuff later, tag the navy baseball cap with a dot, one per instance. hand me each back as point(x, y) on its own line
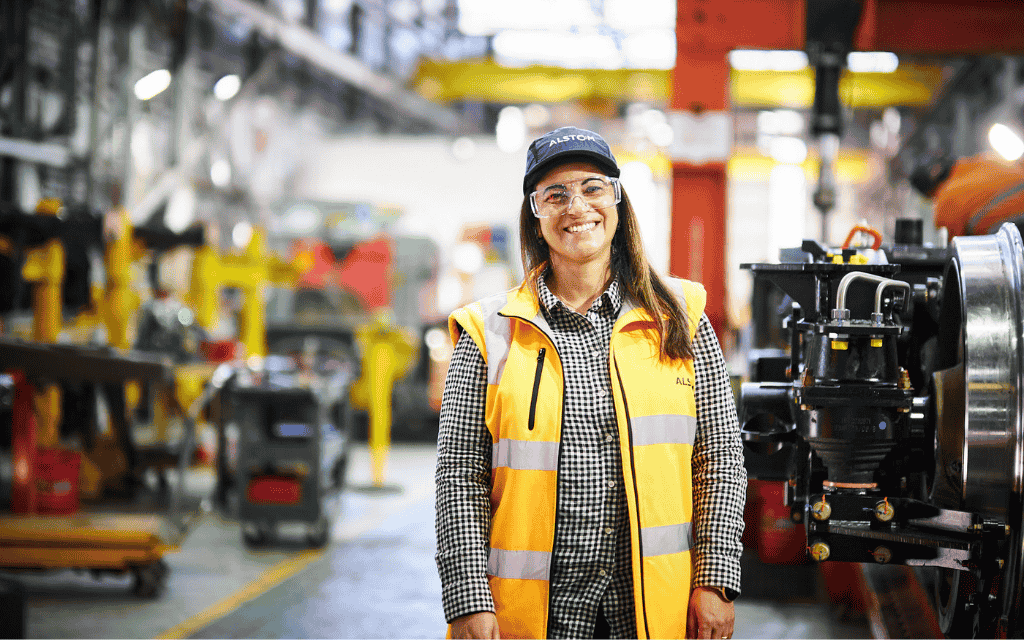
point(564, 145)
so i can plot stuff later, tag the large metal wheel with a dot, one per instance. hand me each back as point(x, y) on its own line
point(979, 391)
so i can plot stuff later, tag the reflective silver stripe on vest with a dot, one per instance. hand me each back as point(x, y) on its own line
point(497, 336)
point(519, 565)
point(525, 455)
point(672, 538)
point(671, 429)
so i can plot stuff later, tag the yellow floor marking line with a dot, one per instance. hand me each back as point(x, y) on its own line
point(290, 566)
point(270, 579)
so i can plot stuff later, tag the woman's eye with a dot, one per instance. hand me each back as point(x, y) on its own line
point(555, 197)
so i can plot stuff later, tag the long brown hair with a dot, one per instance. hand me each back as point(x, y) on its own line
point(637, 278)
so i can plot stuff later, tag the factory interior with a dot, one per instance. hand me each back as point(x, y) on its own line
point(232, 233)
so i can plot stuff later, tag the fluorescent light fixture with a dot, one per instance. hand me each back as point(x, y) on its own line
point(241, 234)
point(181, 209)
point(1006, 142)
point(152, 84)
point(510, 132)
point(227, 87)
point(488, 17)
point(220, 173)
point(872, 61)
point(756, 60)
point(652, 49)
point(569, 50)
point(336, 7)
point(640, 15)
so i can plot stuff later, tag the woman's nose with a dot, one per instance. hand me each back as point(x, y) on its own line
point(583, 206)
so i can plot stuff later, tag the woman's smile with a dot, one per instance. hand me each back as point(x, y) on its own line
point(581, 227)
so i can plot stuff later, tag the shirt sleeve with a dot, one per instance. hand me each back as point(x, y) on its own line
point(719, 478)
point(463, 480)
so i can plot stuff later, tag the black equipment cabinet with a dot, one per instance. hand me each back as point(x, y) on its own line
point(290, 457)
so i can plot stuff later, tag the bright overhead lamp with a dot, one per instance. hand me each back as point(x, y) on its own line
point(510, 132)
point(872, 61)
point(152, 84)
point(227, 87)
point(241, 234)
point(1006, 142)
point(756, 60)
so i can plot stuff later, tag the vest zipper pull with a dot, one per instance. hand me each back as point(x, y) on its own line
point(536, 388)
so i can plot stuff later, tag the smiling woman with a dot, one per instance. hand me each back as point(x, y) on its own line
point(583, 418)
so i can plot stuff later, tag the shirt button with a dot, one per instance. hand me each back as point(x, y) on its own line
point(608, 438)
point(601, 393)
point(608, 531)
point(602, 572)
point(611, 484)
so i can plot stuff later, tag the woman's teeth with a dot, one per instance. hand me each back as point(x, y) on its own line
point(581, 227)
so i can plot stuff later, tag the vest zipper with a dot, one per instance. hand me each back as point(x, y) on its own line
point(536, 388)
point(636, 499)
point(558, 466)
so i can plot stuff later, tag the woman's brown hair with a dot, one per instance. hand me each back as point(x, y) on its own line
point(638, 280)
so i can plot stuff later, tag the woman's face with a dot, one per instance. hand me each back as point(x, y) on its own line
point(583, 233)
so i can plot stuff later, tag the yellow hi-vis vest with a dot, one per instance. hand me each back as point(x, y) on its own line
point(656, 415)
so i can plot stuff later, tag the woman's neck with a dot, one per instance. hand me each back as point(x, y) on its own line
point(579, 284)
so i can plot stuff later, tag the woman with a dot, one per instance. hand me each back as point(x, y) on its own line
point(590, 476)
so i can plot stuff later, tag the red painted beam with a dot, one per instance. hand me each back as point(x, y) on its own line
point(942, 26)
point(722, 25)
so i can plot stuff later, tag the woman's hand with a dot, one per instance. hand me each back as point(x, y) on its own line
point(476, 625)
point(709, 615)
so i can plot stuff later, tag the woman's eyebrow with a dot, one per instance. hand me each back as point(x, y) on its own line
point(561, 185)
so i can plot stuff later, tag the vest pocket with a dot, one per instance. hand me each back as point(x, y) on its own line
point(536, 387)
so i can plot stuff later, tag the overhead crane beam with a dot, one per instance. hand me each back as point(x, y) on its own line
point(301, 41)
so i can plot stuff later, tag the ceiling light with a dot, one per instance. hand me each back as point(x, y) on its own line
point(152, 84)
point(1006, 142)
point(220, 173)
point(227, 87)
point(510, 132)
point(872, 62)
point(241, 234)
point(755, 60)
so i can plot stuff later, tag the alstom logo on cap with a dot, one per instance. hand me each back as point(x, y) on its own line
point(577, 137)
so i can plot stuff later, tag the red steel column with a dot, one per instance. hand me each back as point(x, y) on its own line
point(706, 30)
point(697, 230)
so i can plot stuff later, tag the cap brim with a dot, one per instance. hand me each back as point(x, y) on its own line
point(530, 179)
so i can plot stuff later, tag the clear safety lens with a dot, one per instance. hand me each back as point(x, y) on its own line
point(595, 191)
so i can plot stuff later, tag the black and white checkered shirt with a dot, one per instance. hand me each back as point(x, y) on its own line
point(592, 566)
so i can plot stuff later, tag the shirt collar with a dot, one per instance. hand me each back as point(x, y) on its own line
point(608, 302)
